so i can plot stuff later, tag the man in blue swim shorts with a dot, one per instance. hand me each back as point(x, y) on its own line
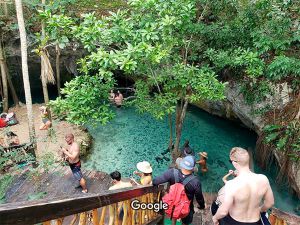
point(73, 154)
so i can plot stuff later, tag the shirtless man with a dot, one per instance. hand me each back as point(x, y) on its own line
point(119, 99)
point(246, 196)
point(74, 161)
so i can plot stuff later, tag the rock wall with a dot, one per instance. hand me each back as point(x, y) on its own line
point(234, 108)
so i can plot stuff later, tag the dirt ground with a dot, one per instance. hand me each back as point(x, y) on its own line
point(46, 141)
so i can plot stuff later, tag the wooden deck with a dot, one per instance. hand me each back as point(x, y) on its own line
point(58, 182)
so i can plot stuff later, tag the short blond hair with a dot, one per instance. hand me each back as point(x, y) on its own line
point(240, 155)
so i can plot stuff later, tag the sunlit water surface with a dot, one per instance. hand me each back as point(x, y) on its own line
point(133, 137)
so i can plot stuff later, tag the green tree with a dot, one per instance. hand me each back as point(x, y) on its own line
point(154, 43)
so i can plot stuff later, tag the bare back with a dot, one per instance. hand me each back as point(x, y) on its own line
point(75, 152)
point(246, 193)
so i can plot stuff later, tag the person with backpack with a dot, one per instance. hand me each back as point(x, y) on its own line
point(184, 187)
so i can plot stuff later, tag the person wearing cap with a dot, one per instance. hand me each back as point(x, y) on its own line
point(202, 161)
point(145, 172)
point(192, 188)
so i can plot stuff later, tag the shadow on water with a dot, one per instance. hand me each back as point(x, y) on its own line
point(133, 137)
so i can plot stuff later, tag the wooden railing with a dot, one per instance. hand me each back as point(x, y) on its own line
point(96, 209)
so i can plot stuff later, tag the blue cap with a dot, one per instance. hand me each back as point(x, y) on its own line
point(187, 163)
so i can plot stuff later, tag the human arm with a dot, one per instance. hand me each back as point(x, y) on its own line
point(73, 154)
point(199, 196)
point(167, 176)
point(138, 173)
point(227, 175)
point(268, 197)
point(223, 210)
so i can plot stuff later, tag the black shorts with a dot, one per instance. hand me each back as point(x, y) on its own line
point(228, 220)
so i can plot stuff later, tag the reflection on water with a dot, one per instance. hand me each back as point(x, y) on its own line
point(133, 137)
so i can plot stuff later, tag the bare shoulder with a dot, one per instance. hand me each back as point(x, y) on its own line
point(75, 146)
point(230, 185)
point(262, 178)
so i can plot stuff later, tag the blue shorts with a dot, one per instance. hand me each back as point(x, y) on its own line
point(76, 170)
point(45, 120)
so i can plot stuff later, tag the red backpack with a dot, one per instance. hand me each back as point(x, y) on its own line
point(176, 198)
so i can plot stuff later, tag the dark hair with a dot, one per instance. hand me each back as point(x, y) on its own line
point(117, 94)
point(11, 134)
point(147, 174)
point(186, 143)
point(115, 175)
point(3, 115)
point(188, 150)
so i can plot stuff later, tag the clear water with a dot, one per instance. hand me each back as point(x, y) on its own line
point(133, 137)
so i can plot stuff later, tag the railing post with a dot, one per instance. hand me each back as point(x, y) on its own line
point(95, 217)
point(102, 218)
point(82, 218)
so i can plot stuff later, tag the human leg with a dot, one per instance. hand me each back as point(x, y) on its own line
point(79, 177)
point(83, 185)
point(189, 218)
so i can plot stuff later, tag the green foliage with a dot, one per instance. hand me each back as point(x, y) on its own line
point(284, 138)
point(85, 100)
point(145, 43)
point(5, 181)
point(283, 67)
point(256, 91)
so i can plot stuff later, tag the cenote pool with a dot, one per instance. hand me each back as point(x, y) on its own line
point(133, 137)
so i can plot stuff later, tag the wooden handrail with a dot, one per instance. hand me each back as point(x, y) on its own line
point(290, 219)
point(32, 212)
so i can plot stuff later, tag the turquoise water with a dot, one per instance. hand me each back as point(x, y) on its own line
point(133, 137)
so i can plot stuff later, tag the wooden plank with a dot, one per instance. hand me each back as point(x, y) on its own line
point(95, 217)
point(33, 185)
point(291, 219)
point(33, 212)
point(102, 217)
point(156, 220)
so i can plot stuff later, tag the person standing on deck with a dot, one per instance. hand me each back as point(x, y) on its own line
point(117, 184)
point(192, 188)
point(72, 156)
point(246, 196)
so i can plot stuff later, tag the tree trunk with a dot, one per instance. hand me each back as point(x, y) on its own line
point(23, 39)
point(44, 82)
point(57, 69)
point(4, 80)
point(12, 89)
point(171, 132)
point(11, 86)
point(180, 111)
